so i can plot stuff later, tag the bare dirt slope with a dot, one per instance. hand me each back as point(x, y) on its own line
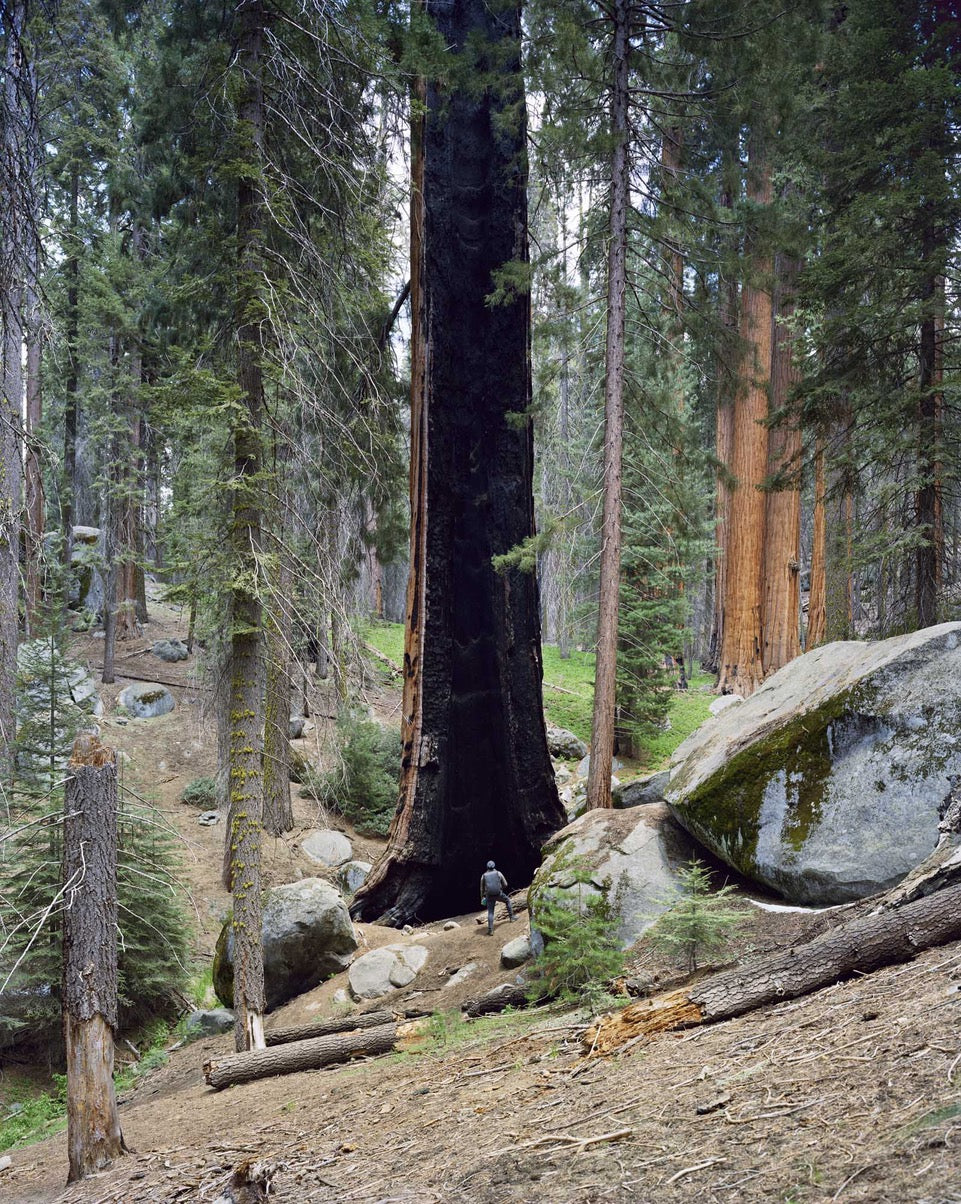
point(852, 1094)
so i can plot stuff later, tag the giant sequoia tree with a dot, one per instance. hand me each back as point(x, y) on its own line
point(476, 779)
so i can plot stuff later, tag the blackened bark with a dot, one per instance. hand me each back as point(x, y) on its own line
point(89, 989)
point(476, 778)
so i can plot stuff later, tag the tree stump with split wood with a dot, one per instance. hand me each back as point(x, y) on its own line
point(89, 988)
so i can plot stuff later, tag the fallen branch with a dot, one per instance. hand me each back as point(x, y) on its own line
point(376, 652)
point(310, 1055)
point(856, 947)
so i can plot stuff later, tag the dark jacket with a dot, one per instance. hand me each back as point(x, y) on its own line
point(493, 883)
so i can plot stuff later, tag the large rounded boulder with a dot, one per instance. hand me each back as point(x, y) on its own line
point(307, 937)
point(827, 784)
point(632, 857)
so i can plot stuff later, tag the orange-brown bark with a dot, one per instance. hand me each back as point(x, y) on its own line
point(782, 540)
point(741, 662)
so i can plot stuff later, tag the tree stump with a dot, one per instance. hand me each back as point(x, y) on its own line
point(89, 990)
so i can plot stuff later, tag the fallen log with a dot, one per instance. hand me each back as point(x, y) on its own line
point(507, 995)
point(856, 947)
point(326, 1028)
point(311, 1054)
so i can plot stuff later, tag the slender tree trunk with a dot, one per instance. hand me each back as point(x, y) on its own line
point(246, 720)
point(839, 562)
point(33, 477)
point(472, 663)
point(742, 668)
point(605, 671)
point(71, 413)
point(89, 994)
point(782, 544)
point(817, 596)
point(278, 811)
point(926, 509)
point(15, 220)
point(723, 450)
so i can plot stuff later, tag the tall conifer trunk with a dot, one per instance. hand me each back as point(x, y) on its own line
point(246, 687)
point(476, 779)
point(15, 221)
point(782, 542)
point(605, 668)
point(741, 667)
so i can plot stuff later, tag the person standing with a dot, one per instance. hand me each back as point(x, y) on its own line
point(493, 888)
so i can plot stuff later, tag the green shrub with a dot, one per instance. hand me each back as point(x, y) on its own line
point(201, 792)
point(578, 924)
point(363, 786)
point(31, 1118)
point(699, 921)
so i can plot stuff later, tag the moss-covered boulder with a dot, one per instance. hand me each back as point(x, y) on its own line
point(307, 937)
point(828, 782)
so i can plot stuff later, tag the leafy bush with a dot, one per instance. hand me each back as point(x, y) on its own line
point(201, 792)
point(699, 921)
point(363, 786)
point(581, 950)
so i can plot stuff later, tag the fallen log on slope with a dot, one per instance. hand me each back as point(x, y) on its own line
point(856, 947)
point(326, 1028)
point(309, 1055)
point(497, 999)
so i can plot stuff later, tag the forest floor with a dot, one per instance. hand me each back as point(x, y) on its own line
point(851, 1094)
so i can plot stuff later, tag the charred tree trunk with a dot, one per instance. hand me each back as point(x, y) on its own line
point(605, 665)
point(857, 947)
point(246, 688)
point(741, 668)
point(89, 992)
point(472, 662)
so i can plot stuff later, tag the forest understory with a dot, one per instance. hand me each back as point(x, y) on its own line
point(849, 1094)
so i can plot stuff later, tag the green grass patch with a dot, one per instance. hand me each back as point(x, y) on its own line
point(689, 709)
point(29, 1116)
point(569, 694)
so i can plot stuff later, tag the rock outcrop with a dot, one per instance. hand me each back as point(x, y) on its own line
point(828, 783)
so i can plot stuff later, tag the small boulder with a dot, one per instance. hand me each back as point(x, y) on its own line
point(515, 953)
point(564, 744)
point(649, 789)
point(723, 702)
point(352, 875)
point(146, 700)
point(307, 937)
point(327, 847)
point(384, 970)
point(207, 819)
point(295, 727)
point(170, 650)
point(208, 1022)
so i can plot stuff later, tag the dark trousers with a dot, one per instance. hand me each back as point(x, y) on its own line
point(491, 900)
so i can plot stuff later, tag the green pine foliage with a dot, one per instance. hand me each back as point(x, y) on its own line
point(581, 953)
point(363, 785)
point(700, 921)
